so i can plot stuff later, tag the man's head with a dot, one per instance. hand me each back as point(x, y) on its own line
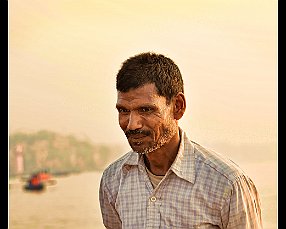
point(150, 101)
point(150, 68)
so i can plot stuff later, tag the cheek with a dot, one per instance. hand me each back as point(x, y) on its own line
point(157, 125)
point(123, 122)
point(164, 125)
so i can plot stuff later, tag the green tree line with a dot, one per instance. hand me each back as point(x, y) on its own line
point(56, 153)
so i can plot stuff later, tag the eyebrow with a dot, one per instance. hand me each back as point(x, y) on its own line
point(119, 107)
point(146, 105)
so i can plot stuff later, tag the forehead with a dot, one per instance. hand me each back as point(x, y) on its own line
point(147, 94)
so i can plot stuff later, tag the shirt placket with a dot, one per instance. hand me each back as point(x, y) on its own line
point(153, 213)
point(153, 220)
point(153, 203)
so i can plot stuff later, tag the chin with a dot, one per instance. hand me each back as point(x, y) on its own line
point(138, 149)
point(146, 150)
point(144, 147)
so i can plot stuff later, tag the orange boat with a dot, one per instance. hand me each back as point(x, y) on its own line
point(38, 181)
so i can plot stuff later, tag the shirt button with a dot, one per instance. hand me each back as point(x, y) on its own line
point(153, 199)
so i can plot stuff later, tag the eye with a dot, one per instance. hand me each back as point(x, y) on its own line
point(146, 109)
point(122, 110)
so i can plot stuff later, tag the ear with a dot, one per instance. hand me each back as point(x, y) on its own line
point(179, 102)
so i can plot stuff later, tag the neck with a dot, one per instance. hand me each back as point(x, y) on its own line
point(160, 160)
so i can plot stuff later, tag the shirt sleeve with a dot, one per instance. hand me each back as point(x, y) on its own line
point(110, 216)
point(242, 210)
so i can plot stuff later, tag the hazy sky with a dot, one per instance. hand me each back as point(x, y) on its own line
point(64, 56)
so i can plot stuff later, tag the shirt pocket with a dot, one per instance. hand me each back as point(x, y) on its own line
point(203, 226)
point(207, 226)
point(200, 226)
point(178, 227)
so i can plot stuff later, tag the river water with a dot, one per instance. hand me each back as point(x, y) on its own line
point(73, 201)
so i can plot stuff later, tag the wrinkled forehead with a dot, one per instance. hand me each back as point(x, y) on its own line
point(147, 94)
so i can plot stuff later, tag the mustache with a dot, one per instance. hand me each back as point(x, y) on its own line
point(129, 133)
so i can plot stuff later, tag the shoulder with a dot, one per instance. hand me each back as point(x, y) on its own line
point(116, 166)
point(224, 177)
point(227, 187)
point(112, 176)
point(217, 164)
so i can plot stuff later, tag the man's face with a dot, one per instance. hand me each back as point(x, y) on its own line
point(145, 118)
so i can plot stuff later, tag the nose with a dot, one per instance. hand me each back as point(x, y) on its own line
point(134, 121)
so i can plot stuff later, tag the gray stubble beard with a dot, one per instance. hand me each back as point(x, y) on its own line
point(169, 133)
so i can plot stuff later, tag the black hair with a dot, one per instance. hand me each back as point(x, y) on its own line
point(147, 68)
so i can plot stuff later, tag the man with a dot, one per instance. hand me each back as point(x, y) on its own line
point(168, 181)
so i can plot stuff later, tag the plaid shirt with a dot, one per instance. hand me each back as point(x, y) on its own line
point(201, 189)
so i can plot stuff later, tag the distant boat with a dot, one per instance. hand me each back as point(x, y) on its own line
point(38, 181)
point(34, 187)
